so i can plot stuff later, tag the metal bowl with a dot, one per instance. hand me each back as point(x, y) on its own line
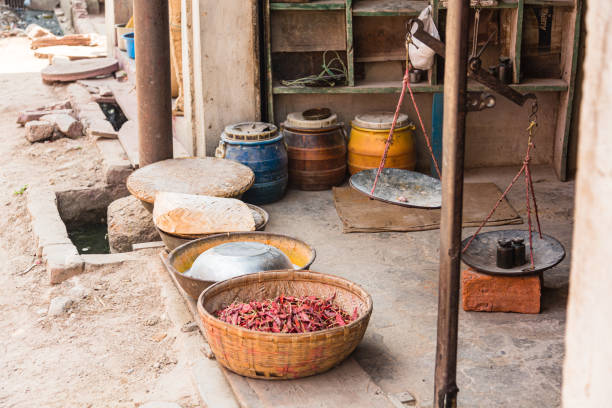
point(182, 258)
point(233, 259)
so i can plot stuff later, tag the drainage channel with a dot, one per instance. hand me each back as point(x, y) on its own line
point(114, 114)
point(90, 238)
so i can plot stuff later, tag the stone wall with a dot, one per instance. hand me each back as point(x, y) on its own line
point(588, 363)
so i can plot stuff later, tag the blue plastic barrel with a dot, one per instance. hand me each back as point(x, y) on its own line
point(129, 44)
point(259, 146)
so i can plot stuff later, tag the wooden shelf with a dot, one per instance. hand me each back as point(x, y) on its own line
point(382, 58)
point(370, 34)
point(363, 87)
point(502, 4)
point(313, 5)
point(554, 3)
point(377, 8)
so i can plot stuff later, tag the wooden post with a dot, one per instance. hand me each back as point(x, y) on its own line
point(455, 89)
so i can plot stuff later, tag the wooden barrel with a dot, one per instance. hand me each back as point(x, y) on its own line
point(369, 134)
point(316, 150)
point(259, 146)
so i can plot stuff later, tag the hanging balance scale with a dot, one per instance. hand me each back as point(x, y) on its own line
point(502, 252)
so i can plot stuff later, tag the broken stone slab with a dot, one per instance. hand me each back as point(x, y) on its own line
point(104, 99)
point(66, 124)
point(129, 223)
point(39, 130)
point(117, 168)
point(47, 225)
point(35, 114)
point(58, 105)
point(93, 262)
point(105, 91)
point(30, 115)
point(63, 262)
point(101, 128)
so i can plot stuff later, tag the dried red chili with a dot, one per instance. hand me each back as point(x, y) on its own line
point(287, 314)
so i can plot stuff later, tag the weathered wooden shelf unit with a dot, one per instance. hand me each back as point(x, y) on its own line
point(369, 37)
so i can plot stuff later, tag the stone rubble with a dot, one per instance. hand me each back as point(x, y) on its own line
point(59, 305)
point(39, 130)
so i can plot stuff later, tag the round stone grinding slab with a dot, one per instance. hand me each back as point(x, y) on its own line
point(196, 175)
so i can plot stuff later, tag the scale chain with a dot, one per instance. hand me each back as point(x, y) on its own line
point(529, 191)
point(405, 85)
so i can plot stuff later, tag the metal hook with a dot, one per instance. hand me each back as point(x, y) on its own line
point(533, 117)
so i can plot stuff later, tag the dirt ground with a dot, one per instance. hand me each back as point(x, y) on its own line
point(117, 345)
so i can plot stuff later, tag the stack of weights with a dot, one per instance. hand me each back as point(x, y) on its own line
point(369, 135)
point(259, 146)
point(317, 149)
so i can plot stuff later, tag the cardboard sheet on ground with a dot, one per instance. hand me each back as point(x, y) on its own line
point(360, 214)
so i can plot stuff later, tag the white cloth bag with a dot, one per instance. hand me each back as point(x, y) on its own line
point(423, 56)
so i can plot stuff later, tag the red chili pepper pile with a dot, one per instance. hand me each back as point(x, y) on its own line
point(287, 314)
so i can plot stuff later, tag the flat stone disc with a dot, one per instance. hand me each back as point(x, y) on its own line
point(80, 69)
point(396, 185)
point(482, 252)
point(195, 175)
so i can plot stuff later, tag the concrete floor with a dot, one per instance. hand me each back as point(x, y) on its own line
point(505, 359)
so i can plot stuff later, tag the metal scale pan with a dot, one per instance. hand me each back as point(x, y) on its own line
point(481, 254)
point(400, 187)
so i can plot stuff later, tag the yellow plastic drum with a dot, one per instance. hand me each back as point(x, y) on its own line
point(369, 134)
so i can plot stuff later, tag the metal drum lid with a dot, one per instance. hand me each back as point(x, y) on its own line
point(380, 120)
point(250, 131)
point(311, 119)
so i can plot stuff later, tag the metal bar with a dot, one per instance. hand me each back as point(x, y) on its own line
point(152, 43)
point(455, 90)
point(496, 85)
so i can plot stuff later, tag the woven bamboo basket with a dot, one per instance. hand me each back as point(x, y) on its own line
point(282, 356)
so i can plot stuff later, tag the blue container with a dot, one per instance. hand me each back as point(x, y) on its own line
point(259, 146)
point(129, 44)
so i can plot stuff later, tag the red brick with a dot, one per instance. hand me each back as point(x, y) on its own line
point(487, 293)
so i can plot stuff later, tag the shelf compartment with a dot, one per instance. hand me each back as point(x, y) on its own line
point(313, 5)
point(305, 31)
point(294, 65)
point(502, 4)
point(542, 50)
point(378, 39)
point(553, 3)
point(374, 8)
point(363, 87)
